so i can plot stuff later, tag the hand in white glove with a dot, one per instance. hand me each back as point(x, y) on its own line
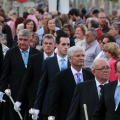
point(17, 106)
point(1, 96)
point(34, 113)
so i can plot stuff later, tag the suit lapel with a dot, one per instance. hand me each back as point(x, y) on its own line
point(70, 78)
point(31, 52)
point(84, 75)
point(55, 63)
point(112, 95)
point(19, 56)
point(68, 64)
point(94, 90)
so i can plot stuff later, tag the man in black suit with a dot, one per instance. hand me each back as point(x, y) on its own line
point(50, 68)
point(109, 105)
point(32, 76)
point(65, 83)
point(89, 92)
point(14, 68)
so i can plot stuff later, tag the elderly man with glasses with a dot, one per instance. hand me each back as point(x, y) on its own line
point(89, 92)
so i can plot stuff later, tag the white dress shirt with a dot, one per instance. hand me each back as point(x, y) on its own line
point(45, 55)
point(98, 87)
point(117, 88)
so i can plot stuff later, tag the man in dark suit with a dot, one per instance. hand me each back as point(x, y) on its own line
point(14, 68)
point(50, 68)
point(32, 76)
point(89, 92)
point(109, 105)
point(65, 83)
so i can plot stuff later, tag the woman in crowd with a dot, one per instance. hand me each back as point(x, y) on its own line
point(69, 29)
point(80, 34)
point(65, 19)
point(12, 15)
point(19, 27)
point(49, 26)
point(31, 26)
point(6, 30)
point(112, 53)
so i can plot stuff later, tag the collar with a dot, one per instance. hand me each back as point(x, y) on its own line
point(74, 71)
point(59, 58)
point(25, 50)
point(118, 84)
point(45, 55)
point(98, 83)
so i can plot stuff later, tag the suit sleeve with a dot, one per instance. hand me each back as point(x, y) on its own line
point(1, 59)
point(74, 111)
point(26, 81)
point(4, 81)
point(56, 96)
point(41, 87)
point(99, 113)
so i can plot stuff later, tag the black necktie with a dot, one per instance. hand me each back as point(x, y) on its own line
point(101, 90)
point(48, 57)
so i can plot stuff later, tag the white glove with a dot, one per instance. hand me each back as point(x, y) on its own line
point(35, 113)
point(17, 106)
point(1, 96)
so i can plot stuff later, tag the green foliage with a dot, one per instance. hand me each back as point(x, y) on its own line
point(112, 0)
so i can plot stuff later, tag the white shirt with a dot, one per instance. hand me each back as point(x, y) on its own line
point(59, 60)
point(98, 87)
point(75, 76)
point(45, 55)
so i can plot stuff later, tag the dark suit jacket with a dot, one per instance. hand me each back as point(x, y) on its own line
point(1, 59)
point(14, 70)
point(31, 79)
point(85, 93)
point(106, 107)
point(43, 98)
point(63, 90)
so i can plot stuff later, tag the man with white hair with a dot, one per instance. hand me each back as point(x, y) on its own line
point(65, 82)
point(89, 92)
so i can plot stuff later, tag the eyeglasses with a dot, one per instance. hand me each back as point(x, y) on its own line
point(103, 68)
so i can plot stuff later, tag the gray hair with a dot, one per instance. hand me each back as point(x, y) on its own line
point(73, 49)
point(93, 31)
point(46, 14)
point(24, 32)
point(49, 36)
point(93, 66)
point(20, 25)
point(116, 25)
point(88, 20)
